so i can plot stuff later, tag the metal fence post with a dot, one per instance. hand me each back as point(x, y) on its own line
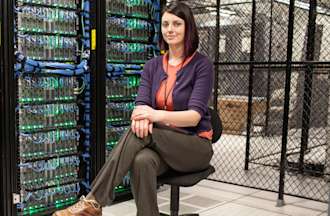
point(217, 56)
point(328, 143)
point(251, 75)
point(308, 83)
point(280, 201)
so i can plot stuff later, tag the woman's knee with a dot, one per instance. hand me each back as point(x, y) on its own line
point(145, 158)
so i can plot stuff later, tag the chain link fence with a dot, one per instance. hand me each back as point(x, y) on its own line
point(249, 46)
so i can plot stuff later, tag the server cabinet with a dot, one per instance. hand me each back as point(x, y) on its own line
point(46, 82)
point(132, 32)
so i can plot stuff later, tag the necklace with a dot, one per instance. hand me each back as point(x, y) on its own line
point(165, 94)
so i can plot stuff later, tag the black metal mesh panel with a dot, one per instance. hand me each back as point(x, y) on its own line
point(252, 158)
point(323, 24)
point(279, 31)
point(207, 36)
point(310, 181)
point(300, 34)
point(267, 115)
point(232, 102)
point(306, 174)
point(323, 31)
point(236, 31)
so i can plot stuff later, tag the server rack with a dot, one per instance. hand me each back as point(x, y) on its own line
point(46, 97)
point(7, 151)
point(132, 32)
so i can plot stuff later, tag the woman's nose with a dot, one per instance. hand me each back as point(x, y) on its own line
point(170, 28)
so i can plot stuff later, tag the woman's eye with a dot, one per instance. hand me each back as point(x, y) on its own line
point(164, 24)
point(177, 24)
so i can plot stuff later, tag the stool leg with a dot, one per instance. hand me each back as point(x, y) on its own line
point(175, 198)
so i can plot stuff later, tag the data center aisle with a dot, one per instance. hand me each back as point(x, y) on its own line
point(210, 198)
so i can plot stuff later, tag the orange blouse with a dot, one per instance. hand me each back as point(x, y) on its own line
point(167, 87)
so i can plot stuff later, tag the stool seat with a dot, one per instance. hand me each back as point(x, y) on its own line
point(185, 179)
point(178, 179)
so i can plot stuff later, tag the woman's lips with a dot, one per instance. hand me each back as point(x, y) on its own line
point(170, 37)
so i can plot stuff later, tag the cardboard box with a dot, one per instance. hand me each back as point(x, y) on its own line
point(233, 112)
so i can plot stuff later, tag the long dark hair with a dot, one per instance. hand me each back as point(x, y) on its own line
point(191, 39)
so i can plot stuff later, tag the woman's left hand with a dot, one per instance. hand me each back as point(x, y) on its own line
point(146, 112)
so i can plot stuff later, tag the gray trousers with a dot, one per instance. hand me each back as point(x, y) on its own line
point(146, 159)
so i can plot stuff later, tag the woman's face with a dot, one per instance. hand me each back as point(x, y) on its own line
point(173, 29)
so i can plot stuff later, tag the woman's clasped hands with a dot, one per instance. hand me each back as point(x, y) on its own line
point(142, 119)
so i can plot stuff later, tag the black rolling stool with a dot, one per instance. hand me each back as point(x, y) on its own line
point(177, 179)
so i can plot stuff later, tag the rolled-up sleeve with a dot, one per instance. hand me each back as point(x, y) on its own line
point(144, 93)
point(202, 88)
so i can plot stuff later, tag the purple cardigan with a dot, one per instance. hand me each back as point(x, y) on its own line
point(192, 89)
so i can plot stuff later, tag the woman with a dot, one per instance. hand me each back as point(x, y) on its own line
point(171, 125)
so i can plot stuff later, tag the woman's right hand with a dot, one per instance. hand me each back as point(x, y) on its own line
point(141, 128)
